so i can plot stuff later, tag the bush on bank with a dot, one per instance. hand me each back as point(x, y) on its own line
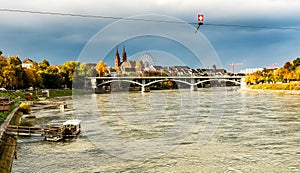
point(25, 108)
point(284, 86)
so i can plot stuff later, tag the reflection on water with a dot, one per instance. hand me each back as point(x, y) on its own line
point(258, 132)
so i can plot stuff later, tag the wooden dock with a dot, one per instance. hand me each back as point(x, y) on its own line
point(68, 129)
point(30, 131)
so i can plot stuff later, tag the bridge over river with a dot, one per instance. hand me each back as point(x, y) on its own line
point(103, 84)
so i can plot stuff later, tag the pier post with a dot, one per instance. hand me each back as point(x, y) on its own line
point(193, 87)
point(62, 108)
point(243, 83)
point(145, 88)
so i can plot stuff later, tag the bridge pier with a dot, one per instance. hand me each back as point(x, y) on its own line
point(145, 89)
point(194, 88)
point(243, 83)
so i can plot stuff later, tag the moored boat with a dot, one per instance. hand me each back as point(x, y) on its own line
point(53, 134)
point(71, 128)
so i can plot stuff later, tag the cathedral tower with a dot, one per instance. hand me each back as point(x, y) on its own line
point(124, 55)
point(117, 59)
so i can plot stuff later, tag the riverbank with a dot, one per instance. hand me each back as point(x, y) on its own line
point(8, 142)
point(16, 97)
point(286, 88)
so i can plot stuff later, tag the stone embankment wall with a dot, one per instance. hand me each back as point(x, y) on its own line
point(7, 145)
point(7, 152)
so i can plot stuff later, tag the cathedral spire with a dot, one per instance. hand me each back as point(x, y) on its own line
point(124, 55)
point(117, 58)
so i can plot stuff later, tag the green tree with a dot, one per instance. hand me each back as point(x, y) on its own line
point(51, 80)
point(82, 70)
point(67, 73)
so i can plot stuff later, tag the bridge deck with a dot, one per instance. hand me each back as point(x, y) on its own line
point(170, 77)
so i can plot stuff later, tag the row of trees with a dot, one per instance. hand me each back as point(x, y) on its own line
point(289, 72)
point(42, 74)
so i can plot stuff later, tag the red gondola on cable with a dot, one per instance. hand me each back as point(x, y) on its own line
point(200, 21)
point(200, 18)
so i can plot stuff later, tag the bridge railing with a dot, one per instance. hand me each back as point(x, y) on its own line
point(168, 77)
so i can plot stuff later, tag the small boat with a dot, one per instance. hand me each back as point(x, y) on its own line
point(71, 128)
point(53, 134)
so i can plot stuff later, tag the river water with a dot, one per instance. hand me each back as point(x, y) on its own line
point(209, 130)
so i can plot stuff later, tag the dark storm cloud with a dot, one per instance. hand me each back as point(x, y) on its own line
point(255, 47)
point(61, 38)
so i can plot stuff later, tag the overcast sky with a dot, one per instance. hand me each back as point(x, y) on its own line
point(63, 38)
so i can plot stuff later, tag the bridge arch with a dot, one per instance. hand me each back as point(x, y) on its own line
point(168, 79)
point(225, 80)
point(120, 80)
point(163, 80)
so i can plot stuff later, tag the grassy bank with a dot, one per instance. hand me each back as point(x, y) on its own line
point(284, 86)
point(60, 93)
point(4, 115)
point(19, 96)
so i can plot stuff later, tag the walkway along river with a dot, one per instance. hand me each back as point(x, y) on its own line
point(256, 132)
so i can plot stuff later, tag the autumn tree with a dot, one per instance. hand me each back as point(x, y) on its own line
point(67, 72)
point(296, 62)
point(101, 68)
point(15, 64)
point(297, 73)
point(288, 66)
point(280, 74)
point(8, 76)
point(30, 78)
point(14, 60)
point(3, 63)
point(43, 65)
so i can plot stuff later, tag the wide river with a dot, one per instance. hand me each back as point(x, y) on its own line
point(209, 130)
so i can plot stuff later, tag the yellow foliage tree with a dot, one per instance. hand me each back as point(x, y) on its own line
point(101, 68)
point(298, 73)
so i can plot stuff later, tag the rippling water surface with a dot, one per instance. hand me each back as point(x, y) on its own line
point(211, 130)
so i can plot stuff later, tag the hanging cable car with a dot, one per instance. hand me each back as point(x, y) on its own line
point(200, 21)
